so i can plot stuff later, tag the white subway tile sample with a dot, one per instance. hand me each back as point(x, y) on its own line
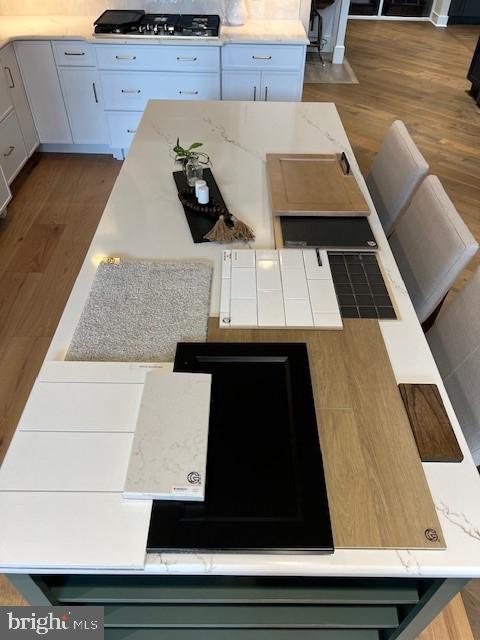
point(82, 530)
point(271, 312)
point(322, 296)
point(81, 406)
point(294, 284)
point(243, 313)
point(268, 276)
point(285, 288)
point(66, 461)
point(169, 454)
point(244, 284)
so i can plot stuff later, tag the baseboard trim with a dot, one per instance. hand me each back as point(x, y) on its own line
point(77, 148)
point(438, 19)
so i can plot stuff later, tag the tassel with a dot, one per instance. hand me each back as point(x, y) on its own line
point(242, 231)
point(220, 232)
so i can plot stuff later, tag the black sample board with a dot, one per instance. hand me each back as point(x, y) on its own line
point(360, 287)
point(200, 225)
point(326, 232)
point(265, 486)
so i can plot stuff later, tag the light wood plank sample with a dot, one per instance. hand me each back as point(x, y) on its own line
point(313, 184)
point(433, 433)
point(378, 493)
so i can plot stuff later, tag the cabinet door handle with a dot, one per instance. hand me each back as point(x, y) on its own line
point(12, 82)
point(126, 57)
point(9, 152)
point(95, 95)
point(73, 53)
point(131, 131)
point(266, 94)
point(254, 93)
point(182, 59)
point(188, 93)
point(131, 91)
point(261, 57)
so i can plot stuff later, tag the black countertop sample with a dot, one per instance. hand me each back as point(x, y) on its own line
point(265, 486)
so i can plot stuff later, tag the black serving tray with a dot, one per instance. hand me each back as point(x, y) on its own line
point(200, 225)
point(265, 485)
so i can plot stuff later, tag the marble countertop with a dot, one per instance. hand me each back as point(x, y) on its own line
point(81, 28)
point(144, 219)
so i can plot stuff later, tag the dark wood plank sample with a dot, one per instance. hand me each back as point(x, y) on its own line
point(431, 427)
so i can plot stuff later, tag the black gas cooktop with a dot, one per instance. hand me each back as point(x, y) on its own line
point(141, 24)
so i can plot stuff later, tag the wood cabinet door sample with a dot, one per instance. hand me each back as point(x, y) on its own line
point(310, 184)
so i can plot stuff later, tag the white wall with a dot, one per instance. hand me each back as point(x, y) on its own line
point(258, 9)
point(440, 12)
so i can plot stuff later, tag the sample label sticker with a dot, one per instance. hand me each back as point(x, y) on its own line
point(58, 623)
point(186, 491)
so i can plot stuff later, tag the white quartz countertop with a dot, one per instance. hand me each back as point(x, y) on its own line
point(144, 219)
point(81, 28)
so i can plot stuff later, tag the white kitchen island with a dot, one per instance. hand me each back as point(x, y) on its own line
point(144, 219)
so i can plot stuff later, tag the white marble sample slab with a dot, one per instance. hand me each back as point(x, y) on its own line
point(291, 288)
point(72, 531)
point(169, 455)
point(66, 461)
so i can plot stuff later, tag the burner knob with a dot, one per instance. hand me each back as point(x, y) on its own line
point(140, 29)
point(155, 29)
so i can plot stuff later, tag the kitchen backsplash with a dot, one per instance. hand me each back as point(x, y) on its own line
point(257, 9)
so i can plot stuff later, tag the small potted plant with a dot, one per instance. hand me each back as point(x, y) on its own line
point(192, 160)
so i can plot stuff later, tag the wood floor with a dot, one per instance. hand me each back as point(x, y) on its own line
point(410, 71)
point(58, 201)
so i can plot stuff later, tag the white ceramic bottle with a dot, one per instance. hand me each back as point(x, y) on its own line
point(236, 13)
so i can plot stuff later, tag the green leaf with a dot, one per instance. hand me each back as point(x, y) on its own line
point(195, 145)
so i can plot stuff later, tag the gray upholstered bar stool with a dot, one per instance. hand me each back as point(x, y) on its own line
point(431, 245)
point(396, 173)
point(455, 343)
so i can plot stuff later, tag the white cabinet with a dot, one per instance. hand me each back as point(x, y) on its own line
point(19, 97)
point(262, 72)
point(6, 103)
point(84, 99)
point(42, 85)
point(5, 195)
point(280, 86)
point(261, 86)
point(12, 149)
point(241, 85)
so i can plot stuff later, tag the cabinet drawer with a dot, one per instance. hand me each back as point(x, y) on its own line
point(73, 54)
point(12, 148)
point(159, 58)
point(250, 56)
point(133, 90)
point(122, 127)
